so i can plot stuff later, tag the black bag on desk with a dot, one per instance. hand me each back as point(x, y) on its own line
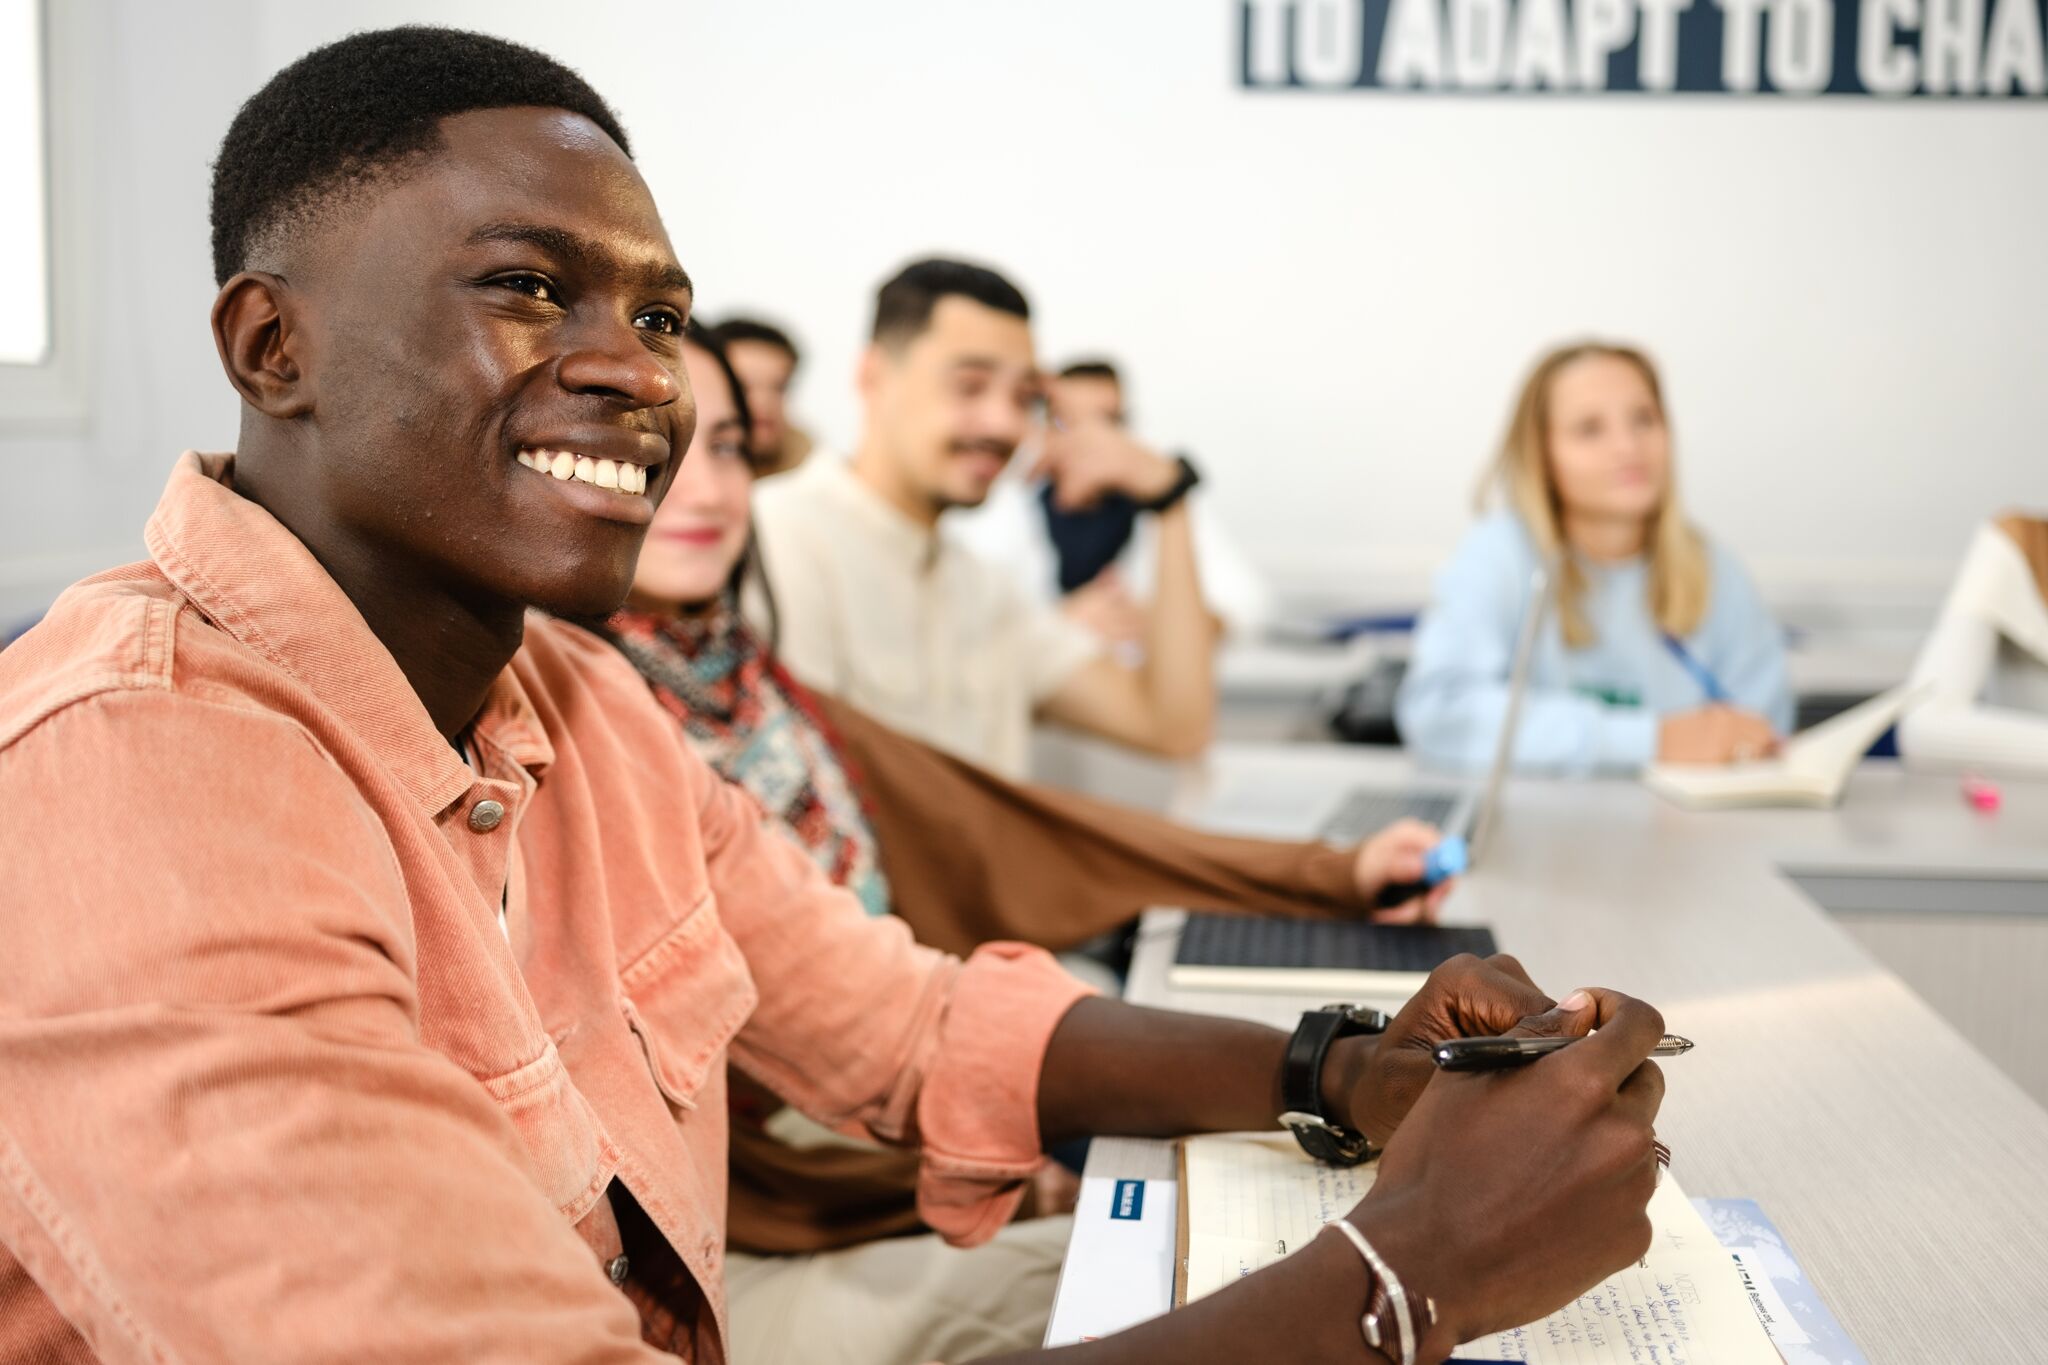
point(1365, 711)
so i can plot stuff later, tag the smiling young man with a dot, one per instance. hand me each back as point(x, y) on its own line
point(879, 603)
point(375, 948)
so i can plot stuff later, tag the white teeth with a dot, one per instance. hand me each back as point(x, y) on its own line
point(565, 465)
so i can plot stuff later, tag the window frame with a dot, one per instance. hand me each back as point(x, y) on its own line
point(54, 395)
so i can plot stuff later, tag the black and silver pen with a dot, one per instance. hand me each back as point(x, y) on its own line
point(1494, 1054)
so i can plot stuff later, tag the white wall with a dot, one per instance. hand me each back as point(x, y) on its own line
point(1329, 298)
point(166, 80)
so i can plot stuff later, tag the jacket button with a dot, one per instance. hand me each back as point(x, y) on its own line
point(485, 815)
point(617, 1267)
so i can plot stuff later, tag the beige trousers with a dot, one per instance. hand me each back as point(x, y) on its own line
point(903, 1301)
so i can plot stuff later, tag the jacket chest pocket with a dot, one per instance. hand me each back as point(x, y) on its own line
point(572, 1157)
point(684, 999)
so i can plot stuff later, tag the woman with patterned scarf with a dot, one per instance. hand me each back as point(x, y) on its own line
point(962, 855)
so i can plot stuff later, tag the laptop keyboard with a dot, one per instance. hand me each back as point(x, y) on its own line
point(1220, 940)
point(1366, 812)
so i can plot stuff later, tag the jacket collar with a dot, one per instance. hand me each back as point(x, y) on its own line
point(259, 583)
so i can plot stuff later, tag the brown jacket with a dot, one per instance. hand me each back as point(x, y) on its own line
point(970, 858)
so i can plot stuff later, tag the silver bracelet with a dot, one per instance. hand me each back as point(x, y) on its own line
point(1397, 1304)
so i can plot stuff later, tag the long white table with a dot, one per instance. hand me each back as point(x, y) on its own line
point(1909, 1174)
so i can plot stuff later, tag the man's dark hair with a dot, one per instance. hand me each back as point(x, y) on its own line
point(903, 308)
point(1092, 369)
point(348, 114)
point(753, 329)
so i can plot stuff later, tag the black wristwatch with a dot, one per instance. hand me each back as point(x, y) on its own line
point(1179, 489)
point(1301, 1083)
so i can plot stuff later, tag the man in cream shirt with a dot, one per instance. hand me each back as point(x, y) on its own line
point(875, 602)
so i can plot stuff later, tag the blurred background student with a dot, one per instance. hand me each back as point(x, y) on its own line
point(881, 604)
point(1986, 662)
point(1097, 561)
point(765, 359)
point(1658, 647)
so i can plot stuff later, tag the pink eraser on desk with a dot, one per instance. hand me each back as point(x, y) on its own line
point(1982, 795)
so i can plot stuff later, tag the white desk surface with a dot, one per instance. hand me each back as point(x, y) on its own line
point(1909, 1175)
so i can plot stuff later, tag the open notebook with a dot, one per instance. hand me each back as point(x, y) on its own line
point(1250, 1199)
point(1811, 770)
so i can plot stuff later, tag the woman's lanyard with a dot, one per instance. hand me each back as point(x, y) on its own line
point(1701, 674)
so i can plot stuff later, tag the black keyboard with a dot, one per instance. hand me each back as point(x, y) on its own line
point(1220, 940)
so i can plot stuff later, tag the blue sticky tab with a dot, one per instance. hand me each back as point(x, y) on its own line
point(1128, 1202)
point(1445, 861)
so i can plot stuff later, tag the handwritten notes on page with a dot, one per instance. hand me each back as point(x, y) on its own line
point(1683, 1304)
point(1252, 1199)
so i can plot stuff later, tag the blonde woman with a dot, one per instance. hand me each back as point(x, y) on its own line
point(1659, 647)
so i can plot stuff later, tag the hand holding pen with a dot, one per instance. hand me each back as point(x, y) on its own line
point(1562, 1156)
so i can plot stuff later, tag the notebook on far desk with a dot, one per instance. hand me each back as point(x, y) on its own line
point(1812, 769)
point(1337, 959)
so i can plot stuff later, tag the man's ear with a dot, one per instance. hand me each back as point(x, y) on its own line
point(867, 376)
point(256, 332)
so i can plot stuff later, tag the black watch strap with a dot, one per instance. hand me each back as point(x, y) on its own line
point(1301, 1082)
point(1188, 478)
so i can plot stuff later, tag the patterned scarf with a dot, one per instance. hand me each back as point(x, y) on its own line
point(755, 725)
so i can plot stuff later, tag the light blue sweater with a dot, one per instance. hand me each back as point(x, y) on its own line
point(1588, 710)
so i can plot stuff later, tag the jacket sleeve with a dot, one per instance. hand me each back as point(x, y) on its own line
point(1053, 868)
point(1994, 597)
point(222, 1136)
point(860, 1027)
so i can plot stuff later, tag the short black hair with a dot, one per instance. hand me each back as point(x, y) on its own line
point(346, 114)
point(753, 329)
point(1091, 369)
point(903, 307)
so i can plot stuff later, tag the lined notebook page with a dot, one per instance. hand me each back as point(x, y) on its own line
point(1253, 1198)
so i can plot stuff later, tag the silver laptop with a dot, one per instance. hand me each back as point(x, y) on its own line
point(1468, 811)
